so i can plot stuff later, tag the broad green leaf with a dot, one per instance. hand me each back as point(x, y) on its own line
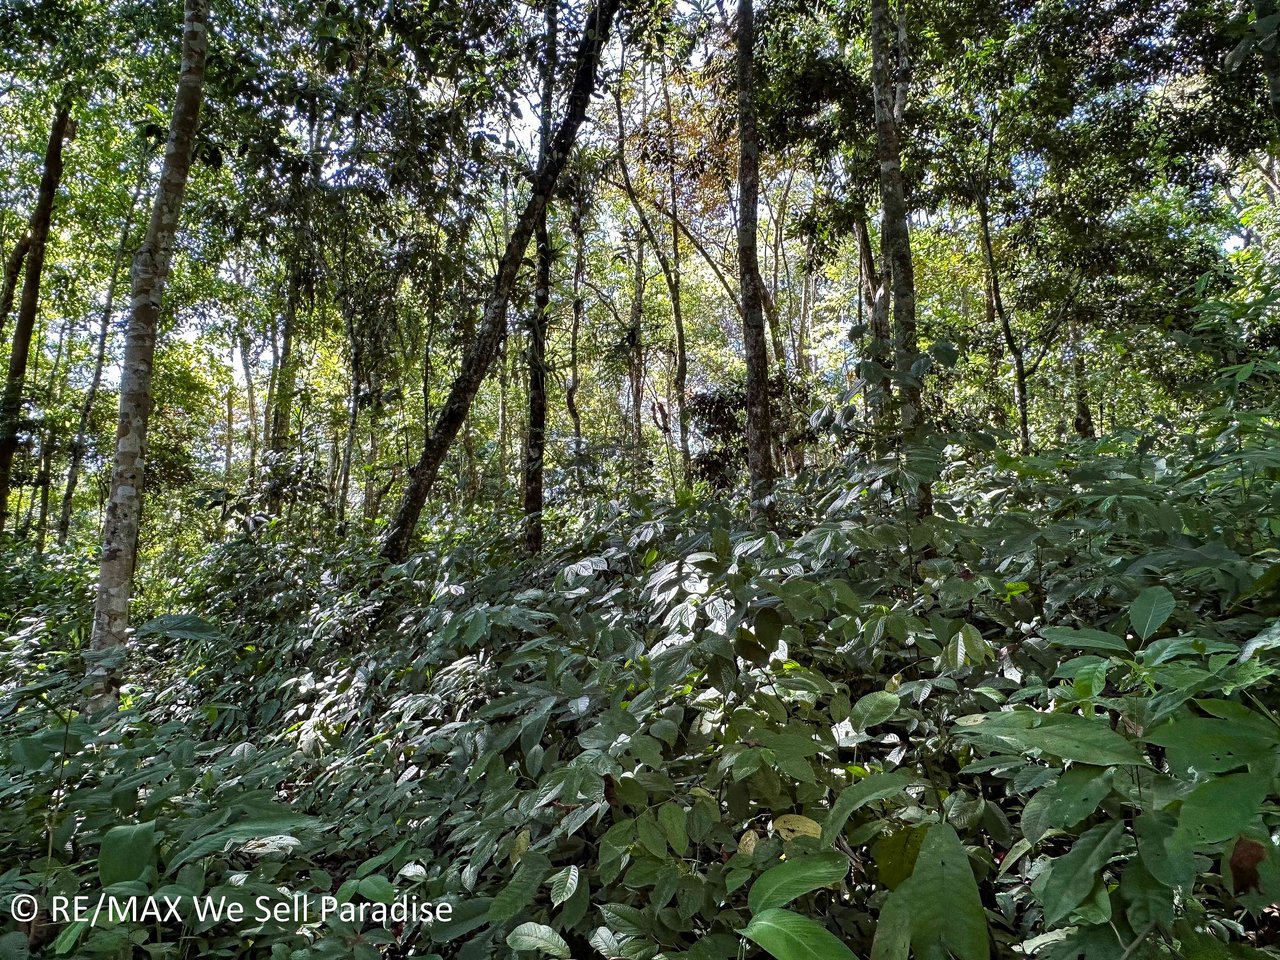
point(1205, 745)
point(1065, 735)
point(873, 709)
point(180, 626)
point(938, 909)
point(537, 936)
point(1072, 876)
point(1084, 639)
point(563, 884)
point(671, 817)
point(878, 786)
point(792, 825)
point(789, 936)
point(1150, 610)
point(378, 889)
point(780, 885)
point(1220, 808)
point(520, 890)
point(127, 852)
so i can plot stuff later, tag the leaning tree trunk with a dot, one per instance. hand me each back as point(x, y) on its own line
point(150, 270)
point(493, 325)
point(759, 427)
point(535, 449)
point(99, 360)
point(12, 270)
point(11, 402)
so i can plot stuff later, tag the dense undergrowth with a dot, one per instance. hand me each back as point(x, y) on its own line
point(1042, 721)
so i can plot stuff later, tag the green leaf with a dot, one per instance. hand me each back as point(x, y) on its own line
point(1071, 877)
point(789, 936)
point(872, 709)
point(126, 852)
point(563, 885)
point(1084, 639)
point(519, 892)
point(378, 889)
point(1150, 610)
point(671, 817)
point(780, 885)
point(1221, 808)
point(938, 910)
point(537, 936)
point(1064, 735)
point(879, 786)
point(180, 626)
point(1206, 745)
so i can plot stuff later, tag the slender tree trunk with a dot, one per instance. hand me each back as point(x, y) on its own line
point(285, 384)
point(251, 401)
point(677, 307)
point(635, 337)
point(889, 92)
point(875, 297)
point(578, 229)
point(1011, 342)
point(150, 269)
point(1080, 386)
point(42, 215)
point(535, 450)
point(759, 425)
point(12, 270)
point(79, 445)
point(492, 328)
point(230, 444)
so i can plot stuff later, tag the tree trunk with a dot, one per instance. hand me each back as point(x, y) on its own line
point(578, 228)
point(1006, 327)
point(635, 338)
point(99, 359)
point(1080, 387)
point(535, 449)
point(282, 401)
point(677, 309)
point(41, 216)
point(251, 401)
point(875, 297)
point(12, 270)
point(759, 426)
point(493, 325)
point(889, 82)
point(150, 270)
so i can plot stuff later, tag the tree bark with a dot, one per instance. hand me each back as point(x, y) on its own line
point(635, 338)
point(1011, 342)
point(1080, 388)
point(251, 401)
point(677, 308)
point(150, 270)
point(535, 449)
point(12, 270)
point(41, 217)
point(78, 446)
point(578, 229)
point(493, 324)
point(889, 83)
point(282, 401)
point(759, 426)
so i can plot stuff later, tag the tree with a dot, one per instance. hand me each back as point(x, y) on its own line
point(492, 327)
point(759, 426)
point(41, 218)
point(150, 270)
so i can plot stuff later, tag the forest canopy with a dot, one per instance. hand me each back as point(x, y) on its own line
point(640, 481)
